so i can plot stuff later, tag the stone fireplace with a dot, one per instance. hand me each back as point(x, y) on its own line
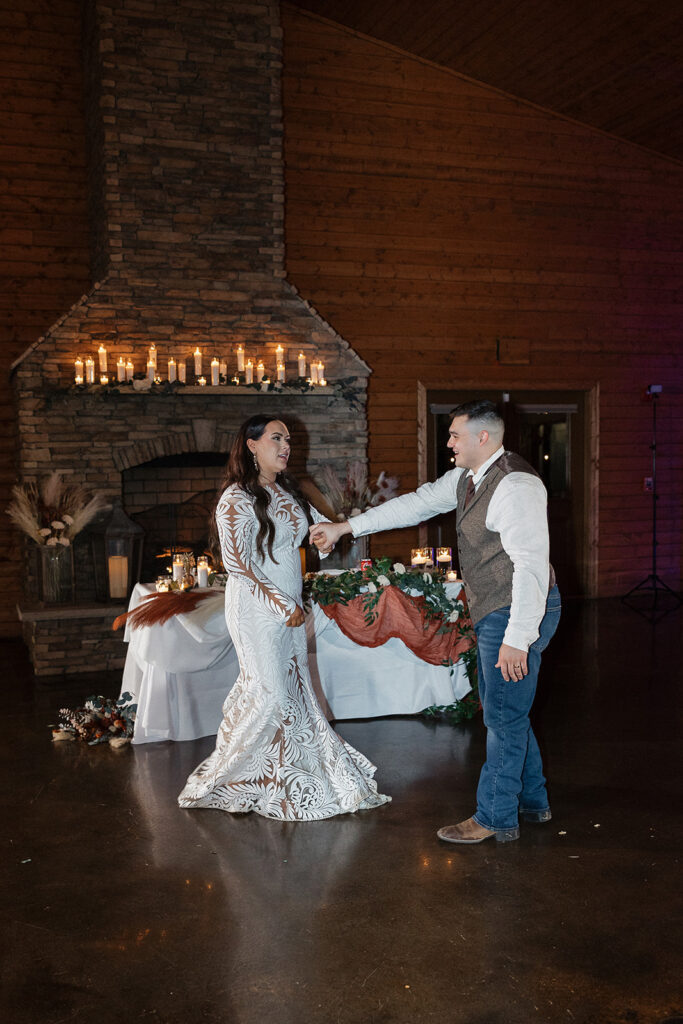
point(187, 208)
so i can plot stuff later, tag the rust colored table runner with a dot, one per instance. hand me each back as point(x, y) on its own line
point(402, 616)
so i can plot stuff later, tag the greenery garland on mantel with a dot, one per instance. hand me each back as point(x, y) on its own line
point(370, 582)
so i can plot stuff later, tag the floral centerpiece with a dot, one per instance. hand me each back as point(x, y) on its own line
point(439, 608)
point(52, 513)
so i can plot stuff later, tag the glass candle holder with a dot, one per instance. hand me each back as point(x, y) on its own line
point(423, 558)
point(444, 559)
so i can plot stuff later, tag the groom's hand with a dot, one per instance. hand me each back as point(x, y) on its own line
point(326, 535)
point(512, 663)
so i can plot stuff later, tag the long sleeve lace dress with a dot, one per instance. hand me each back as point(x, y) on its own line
point(275, 753)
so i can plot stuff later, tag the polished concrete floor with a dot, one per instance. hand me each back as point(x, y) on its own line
point(117, 906)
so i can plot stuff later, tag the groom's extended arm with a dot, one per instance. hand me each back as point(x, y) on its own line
point(409, 509)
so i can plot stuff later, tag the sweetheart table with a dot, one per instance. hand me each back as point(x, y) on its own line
point(181, 671)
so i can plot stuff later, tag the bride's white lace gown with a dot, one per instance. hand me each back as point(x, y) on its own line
point(275, 753)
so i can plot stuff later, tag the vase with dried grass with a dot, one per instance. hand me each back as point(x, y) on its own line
point(52, 513)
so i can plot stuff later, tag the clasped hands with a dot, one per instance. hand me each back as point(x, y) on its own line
point(325, 535)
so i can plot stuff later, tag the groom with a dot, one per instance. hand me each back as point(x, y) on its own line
point(502, 531)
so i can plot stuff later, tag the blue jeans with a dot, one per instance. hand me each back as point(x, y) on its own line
point(512, 777)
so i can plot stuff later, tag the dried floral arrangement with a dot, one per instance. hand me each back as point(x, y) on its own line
point(100, 720)
point(53, 512)
point(353, 495)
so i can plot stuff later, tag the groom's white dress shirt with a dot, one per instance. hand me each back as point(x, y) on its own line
point(517, 512)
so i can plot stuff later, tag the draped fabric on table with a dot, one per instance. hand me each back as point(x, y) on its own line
point(402, 616)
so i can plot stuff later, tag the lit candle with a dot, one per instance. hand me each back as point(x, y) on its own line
point(118, 575)
point(444, 556)
point(120, 368)
point(281, 371)
point(130, 369)
point(301, 363)
point(314, 373)
point(322, 382)
point(280, 354)
point(78, 379)
point(236, 381)
point(240, 358)
point(215, 371)
point(321, 371)
point(151, 370)
point(172, 369)
point(90, 370)
point(224, 371)
point(152, 356)
point(417, 557)
point(197, 362)
point(202, 572)
point(78, 370)
point(202, 382)
point(249, 372)
point(451, 576)
point(104, 379)
point(178, 568)
point(182, 371)
point(260, 371)
point(102, 353)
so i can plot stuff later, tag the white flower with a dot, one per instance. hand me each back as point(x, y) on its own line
point(454, 616)
point(399, 567)
point(51, 542)
point(427, 577)
point(68, 520)
point(57, 524)
point(45, 532)
point(372, 588)
point(64, 540)
point(383, 581)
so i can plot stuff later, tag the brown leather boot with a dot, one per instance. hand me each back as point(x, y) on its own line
point(471, 832)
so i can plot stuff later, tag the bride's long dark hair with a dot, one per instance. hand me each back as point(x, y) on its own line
point(241, 469)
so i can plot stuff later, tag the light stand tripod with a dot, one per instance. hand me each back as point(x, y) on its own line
point(652, 584)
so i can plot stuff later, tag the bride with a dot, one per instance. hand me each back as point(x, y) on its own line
point(275, 753)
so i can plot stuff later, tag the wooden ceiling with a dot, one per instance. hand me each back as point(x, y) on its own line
point(613, 64)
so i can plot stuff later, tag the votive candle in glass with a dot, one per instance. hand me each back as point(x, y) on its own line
point(104, 379)
point(202, 382)
point(444, 558)
point(102, 353)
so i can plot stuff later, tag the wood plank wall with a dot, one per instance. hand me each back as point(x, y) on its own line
point(44, 258)
point(428, 215)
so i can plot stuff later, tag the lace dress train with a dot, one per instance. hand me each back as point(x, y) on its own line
point(276, 754)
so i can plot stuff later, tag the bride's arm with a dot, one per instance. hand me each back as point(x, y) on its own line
point(236, 522)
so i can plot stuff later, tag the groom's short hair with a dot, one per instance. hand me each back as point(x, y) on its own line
point(482, 414)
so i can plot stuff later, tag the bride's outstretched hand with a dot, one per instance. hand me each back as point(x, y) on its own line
point(326, 535)
point(296, 618)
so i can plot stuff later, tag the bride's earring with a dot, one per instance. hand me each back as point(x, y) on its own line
point(256, 465)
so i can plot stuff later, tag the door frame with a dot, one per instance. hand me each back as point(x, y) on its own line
point(589, 570)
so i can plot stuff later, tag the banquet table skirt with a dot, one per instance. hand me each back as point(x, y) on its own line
point(180, 673)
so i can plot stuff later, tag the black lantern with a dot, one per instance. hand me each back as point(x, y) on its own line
point(117, 555)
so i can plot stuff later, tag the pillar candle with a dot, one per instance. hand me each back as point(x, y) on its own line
point(260, 371)
point(120, 368)
point(279, 354)
point(130, 369)
point(151, 370)
point(102, 353)
point(202, 572)
point(118, 575)
point(78, 370)
point(314, 373)
point(249, 372)
point(281, 371)
point(321, 371)
point(215, 371)
point(178, 568)
point(152, 356)
point(171, 369)
point(224, 370)
point(301, 363)
point(182, 371)
point(90, 370)
point(197, 362)
point(240, 358)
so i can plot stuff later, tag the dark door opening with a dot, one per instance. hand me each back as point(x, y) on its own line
point(547, 428)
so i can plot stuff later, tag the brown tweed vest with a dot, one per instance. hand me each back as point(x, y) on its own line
point(486, 567)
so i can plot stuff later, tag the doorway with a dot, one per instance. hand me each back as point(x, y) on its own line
point(548, 429)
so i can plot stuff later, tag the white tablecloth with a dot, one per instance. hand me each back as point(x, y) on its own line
point(181, 672)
